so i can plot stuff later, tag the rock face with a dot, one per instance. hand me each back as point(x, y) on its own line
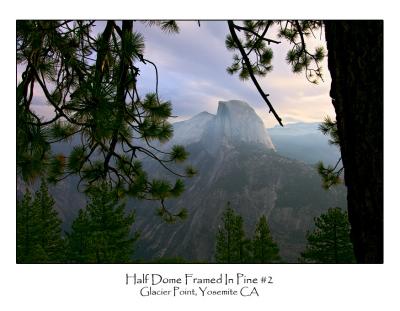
point(236, 122)
point(187, 132)
point(237, 162)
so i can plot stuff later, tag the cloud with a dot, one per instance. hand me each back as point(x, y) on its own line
point(192, 71)
point(192, 75)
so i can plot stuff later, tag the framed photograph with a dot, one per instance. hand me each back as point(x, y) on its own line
point(176, 160)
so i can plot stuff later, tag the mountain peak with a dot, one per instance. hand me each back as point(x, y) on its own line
point(236, 121)
point(234, 106)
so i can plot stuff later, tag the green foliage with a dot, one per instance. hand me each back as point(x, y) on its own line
point(178, 153)
point(32, 145)
point(183, 213)
point(160, 189)
point(256, 35)
point(132, 45)
point(152, 129)
point(56, 168)
point(25, 228)
point(167, 26)
point(244, 74)
point(93, 172)
point(267, 55)
point(230, 244)
point(256, 49)
point(178, 188)
point(190, 171)
point(139, 186)
point(76, 158)
point(59, 131)
point(330, 240)
point(170, 217)
point(230, 43)
point(329, 128)
point(78, 241)
point(102, 232)
point(289, 33)
point(331, 175)
point(38, 229)
point(155, 109)
point(299, 56)
point(94, 97)
point(265, 250)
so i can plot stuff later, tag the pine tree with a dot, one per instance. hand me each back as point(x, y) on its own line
point(95, 98)
point(78, 241)
point(330, 240)
point(25, 229)
point(49, 225)
point(39, 237)
point(102, 232)
point(265, 250)
point(246, 255)
point(231, 243)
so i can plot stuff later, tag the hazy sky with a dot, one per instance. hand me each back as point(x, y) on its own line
point(192, 75)
point(192, 71)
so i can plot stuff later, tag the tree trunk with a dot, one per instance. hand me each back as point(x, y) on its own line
point(355, 61)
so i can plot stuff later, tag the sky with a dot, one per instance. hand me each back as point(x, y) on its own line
point(192, 75)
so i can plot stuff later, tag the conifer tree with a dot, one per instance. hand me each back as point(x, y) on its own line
point(265, 250)
point(230, 240)
point(330, 240)
point(49, 225)
point(90, 82)
point(102, 231)
point(78, 240)
point(246, 251)
point(39, 237)
point(25, 229)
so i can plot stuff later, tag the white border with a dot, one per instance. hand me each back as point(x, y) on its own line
point(102, 287)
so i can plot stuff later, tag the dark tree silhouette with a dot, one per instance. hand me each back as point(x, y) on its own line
point(330, 240)
point(38, 229)
point(231, 245)
point(26, 229)
point(102, 232)
point(356, 66)
point(357, 95)
point(265, 250)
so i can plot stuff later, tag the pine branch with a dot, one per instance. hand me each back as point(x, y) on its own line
point(250, 70)
point(261, 37)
